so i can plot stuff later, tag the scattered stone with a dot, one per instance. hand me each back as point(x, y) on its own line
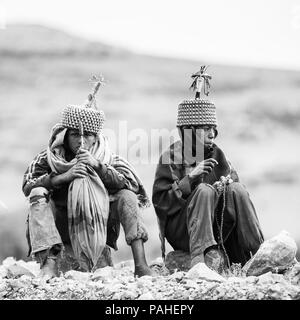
point(8, 261)
point(190, 284)
point(179, 260)
point(129, 295)
point(17, 270)
point(268, 278)
point(200, 282)
point(146, 296)
point(77, 275)
point(201, 271)
point(3, 272)
point(276, 255)
point(105, 274)
point(12, 268)
point(293, 274)
point(145, 281)
point(235, 280)
point(177, 276)
point(32, 266)
point(251, 279)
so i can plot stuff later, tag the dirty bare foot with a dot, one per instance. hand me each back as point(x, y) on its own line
point(143, 271)
point(49, 269)
point(215, 259)
point(197, 259)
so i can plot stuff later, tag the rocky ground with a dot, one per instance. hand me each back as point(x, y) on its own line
point(260, 279)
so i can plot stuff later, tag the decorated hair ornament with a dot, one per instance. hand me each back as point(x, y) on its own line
point(201, 80)
point(194, 112)
point(98, 82)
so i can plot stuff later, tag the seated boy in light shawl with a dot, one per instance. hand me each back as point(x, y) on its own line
point(79, 193)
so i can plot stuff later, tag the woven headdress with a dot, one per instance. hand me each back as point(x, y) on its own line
point(198, 111)
point(87, 116)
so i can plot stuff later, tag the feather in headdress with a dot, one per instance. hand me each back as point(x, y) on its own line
point(201, 80)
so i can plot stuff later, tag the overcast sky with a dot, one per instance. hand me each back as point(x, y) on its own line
point(255, 32)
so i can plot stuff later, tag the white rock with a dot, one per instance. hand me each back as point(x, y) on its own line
point(275, 254)
point(146, 296)
point(8, 261)
point(176, 275)
point(260, 296)
point(32, 266)
point(105, 273)
point(17, 270)
point(132, 287)
point(128, 294)
point(191, 284)
point(2, 286)
point(270, 278)
point(235, 280)
point(251, 279)
point(115, 287)
point(78, 275)
point(202, 271)
point(3, 272)
point(145, 281)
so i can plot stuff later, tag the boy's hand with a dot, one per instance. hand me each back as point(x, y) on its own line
point(79, 170)
point(203, 168)
point(85, 157)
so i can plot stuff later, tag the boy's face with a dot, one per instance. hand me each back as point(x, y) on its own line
point(200, 134)
point(209, 135)
point(74, 140)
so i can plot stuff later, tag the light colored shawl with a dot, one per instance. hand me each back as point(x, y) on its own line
point(88, 199)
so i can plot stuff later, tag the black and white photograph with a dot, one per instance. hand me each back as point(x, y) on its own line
point(149, 153)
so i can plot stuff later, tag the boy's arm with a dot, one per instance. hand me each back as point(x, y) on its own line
point(170, 193)
point(38, 174)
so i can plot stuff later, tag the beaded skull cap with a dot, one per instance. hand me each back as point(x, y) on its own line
point(198, 111)
point(87, 115)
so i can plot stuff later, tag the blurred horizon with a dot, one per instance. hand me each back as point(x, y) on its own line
point(42, 69)
point(254, 33)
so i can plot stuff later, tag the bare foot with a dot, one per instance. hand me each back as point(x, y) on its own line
point(215, 259)
point(49, 269)
point(197, 259)
point(143, 271)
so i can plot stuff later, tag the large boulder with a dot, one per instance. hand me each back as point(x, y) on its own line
point(179, 260)
point(276, 255)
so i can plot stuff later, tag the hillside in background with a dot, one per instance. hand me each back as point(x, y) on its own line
point(42, 70)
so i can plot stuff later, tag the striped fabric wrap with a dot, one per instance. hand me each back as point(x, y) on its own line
point(88, 199)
